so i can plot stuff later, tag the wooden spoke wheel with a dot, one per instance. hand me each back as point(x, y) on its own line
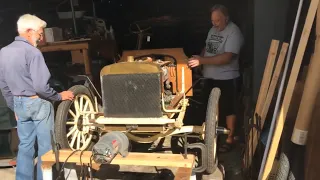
point(72, 119)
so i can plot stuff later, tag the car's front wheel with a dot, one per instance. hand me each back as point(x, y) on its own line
point(72, 120)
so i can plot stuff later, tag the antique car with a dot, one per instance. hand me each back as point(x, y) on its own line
point(145, 95)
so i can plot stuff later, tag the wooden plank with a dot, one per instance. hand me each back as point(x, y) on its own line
point(274, 82)
point(311, 166)
point(312, 156)
point(77, 57)
point(183, 174)
point(310, 92)
point(64, 47)
point(70, 41)
point(47, 170)
point(289, 91)
point(139, 159)
point(262, 96)
point(271, 91)
point(264, 87)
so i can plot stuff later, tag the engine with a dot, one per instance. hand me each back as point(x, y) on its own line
point(136, 89)
point(168, 70)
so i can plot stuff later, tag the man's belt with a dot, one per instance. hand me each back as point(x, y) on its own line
point(32, 97)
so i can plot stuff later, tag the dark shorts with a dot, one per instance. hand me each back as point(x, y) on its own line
point(228, 98)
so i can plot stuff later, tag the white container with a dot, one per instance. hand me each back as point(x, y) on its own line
point(53, 34)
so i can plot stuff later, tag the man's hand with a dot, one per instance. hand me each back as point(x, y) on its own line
point(67, 95)
point(194, 61)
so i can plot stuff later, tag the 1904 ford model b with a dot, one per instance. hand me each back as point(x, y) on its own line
point(145, 97)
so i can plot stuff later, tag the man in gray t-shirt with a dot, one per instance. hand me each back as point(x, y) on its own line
point(220, 63)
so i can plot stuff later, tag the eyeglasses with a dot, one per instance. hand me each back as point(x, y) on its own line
point(40, 34)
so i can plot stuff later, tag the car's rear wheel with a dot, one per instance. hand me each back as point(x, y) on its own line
point(72, 119)
point(211, 125)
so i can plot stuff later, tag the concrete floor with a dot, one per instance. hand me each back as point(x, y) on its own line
point(7, 173)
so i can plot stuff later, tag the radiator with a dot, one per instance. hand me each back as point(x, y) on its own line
point(133, 95)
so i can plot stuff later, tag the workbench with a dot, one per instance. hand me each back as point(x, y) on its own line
point(78, 48)
point(184, 166)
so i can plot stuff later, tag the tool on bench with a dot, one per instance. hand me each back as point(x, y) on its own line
point(109, 146)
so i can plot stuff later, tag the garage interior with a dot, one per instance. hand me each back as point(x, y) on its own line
point(159, 24)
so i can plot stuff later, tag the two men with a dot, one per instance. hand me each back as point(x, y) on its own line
point(24, 84)
point(220, 63)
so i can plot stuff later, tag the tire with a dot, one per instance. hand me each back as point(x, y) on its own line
point(210, 129)
point(63, 114)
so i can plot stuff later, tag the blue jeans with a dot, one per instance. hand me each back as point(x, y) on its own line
point(35, 121)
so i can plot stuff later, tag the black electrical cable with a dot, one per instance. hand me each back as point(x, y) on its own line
point(82, 167)
point(81, 153)
point(90, 172)
point(61, 170)
point(81, 170)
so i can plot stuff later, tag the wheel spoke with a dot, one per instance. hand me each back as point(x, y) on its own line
point(86, 118)
point(76, 105)
point(81, 104)
point(70, 123)
point(72, 114)
point(74, 138)
point(72, 131)
point(86, 106)
point(78, 140)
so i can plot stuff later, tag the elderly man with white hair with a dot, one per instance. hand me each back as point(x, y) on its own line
point(24, 84)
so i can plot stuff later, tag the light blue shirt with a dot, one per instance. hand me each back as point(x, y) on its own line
point(23, 72)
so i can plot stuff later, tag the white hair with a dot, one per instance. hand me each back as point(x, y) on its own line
point(28, 21)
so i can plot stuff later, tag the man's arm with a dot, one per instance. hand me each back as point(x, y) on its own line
point(40, 76)
point(6, 93)
point(232, 48)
